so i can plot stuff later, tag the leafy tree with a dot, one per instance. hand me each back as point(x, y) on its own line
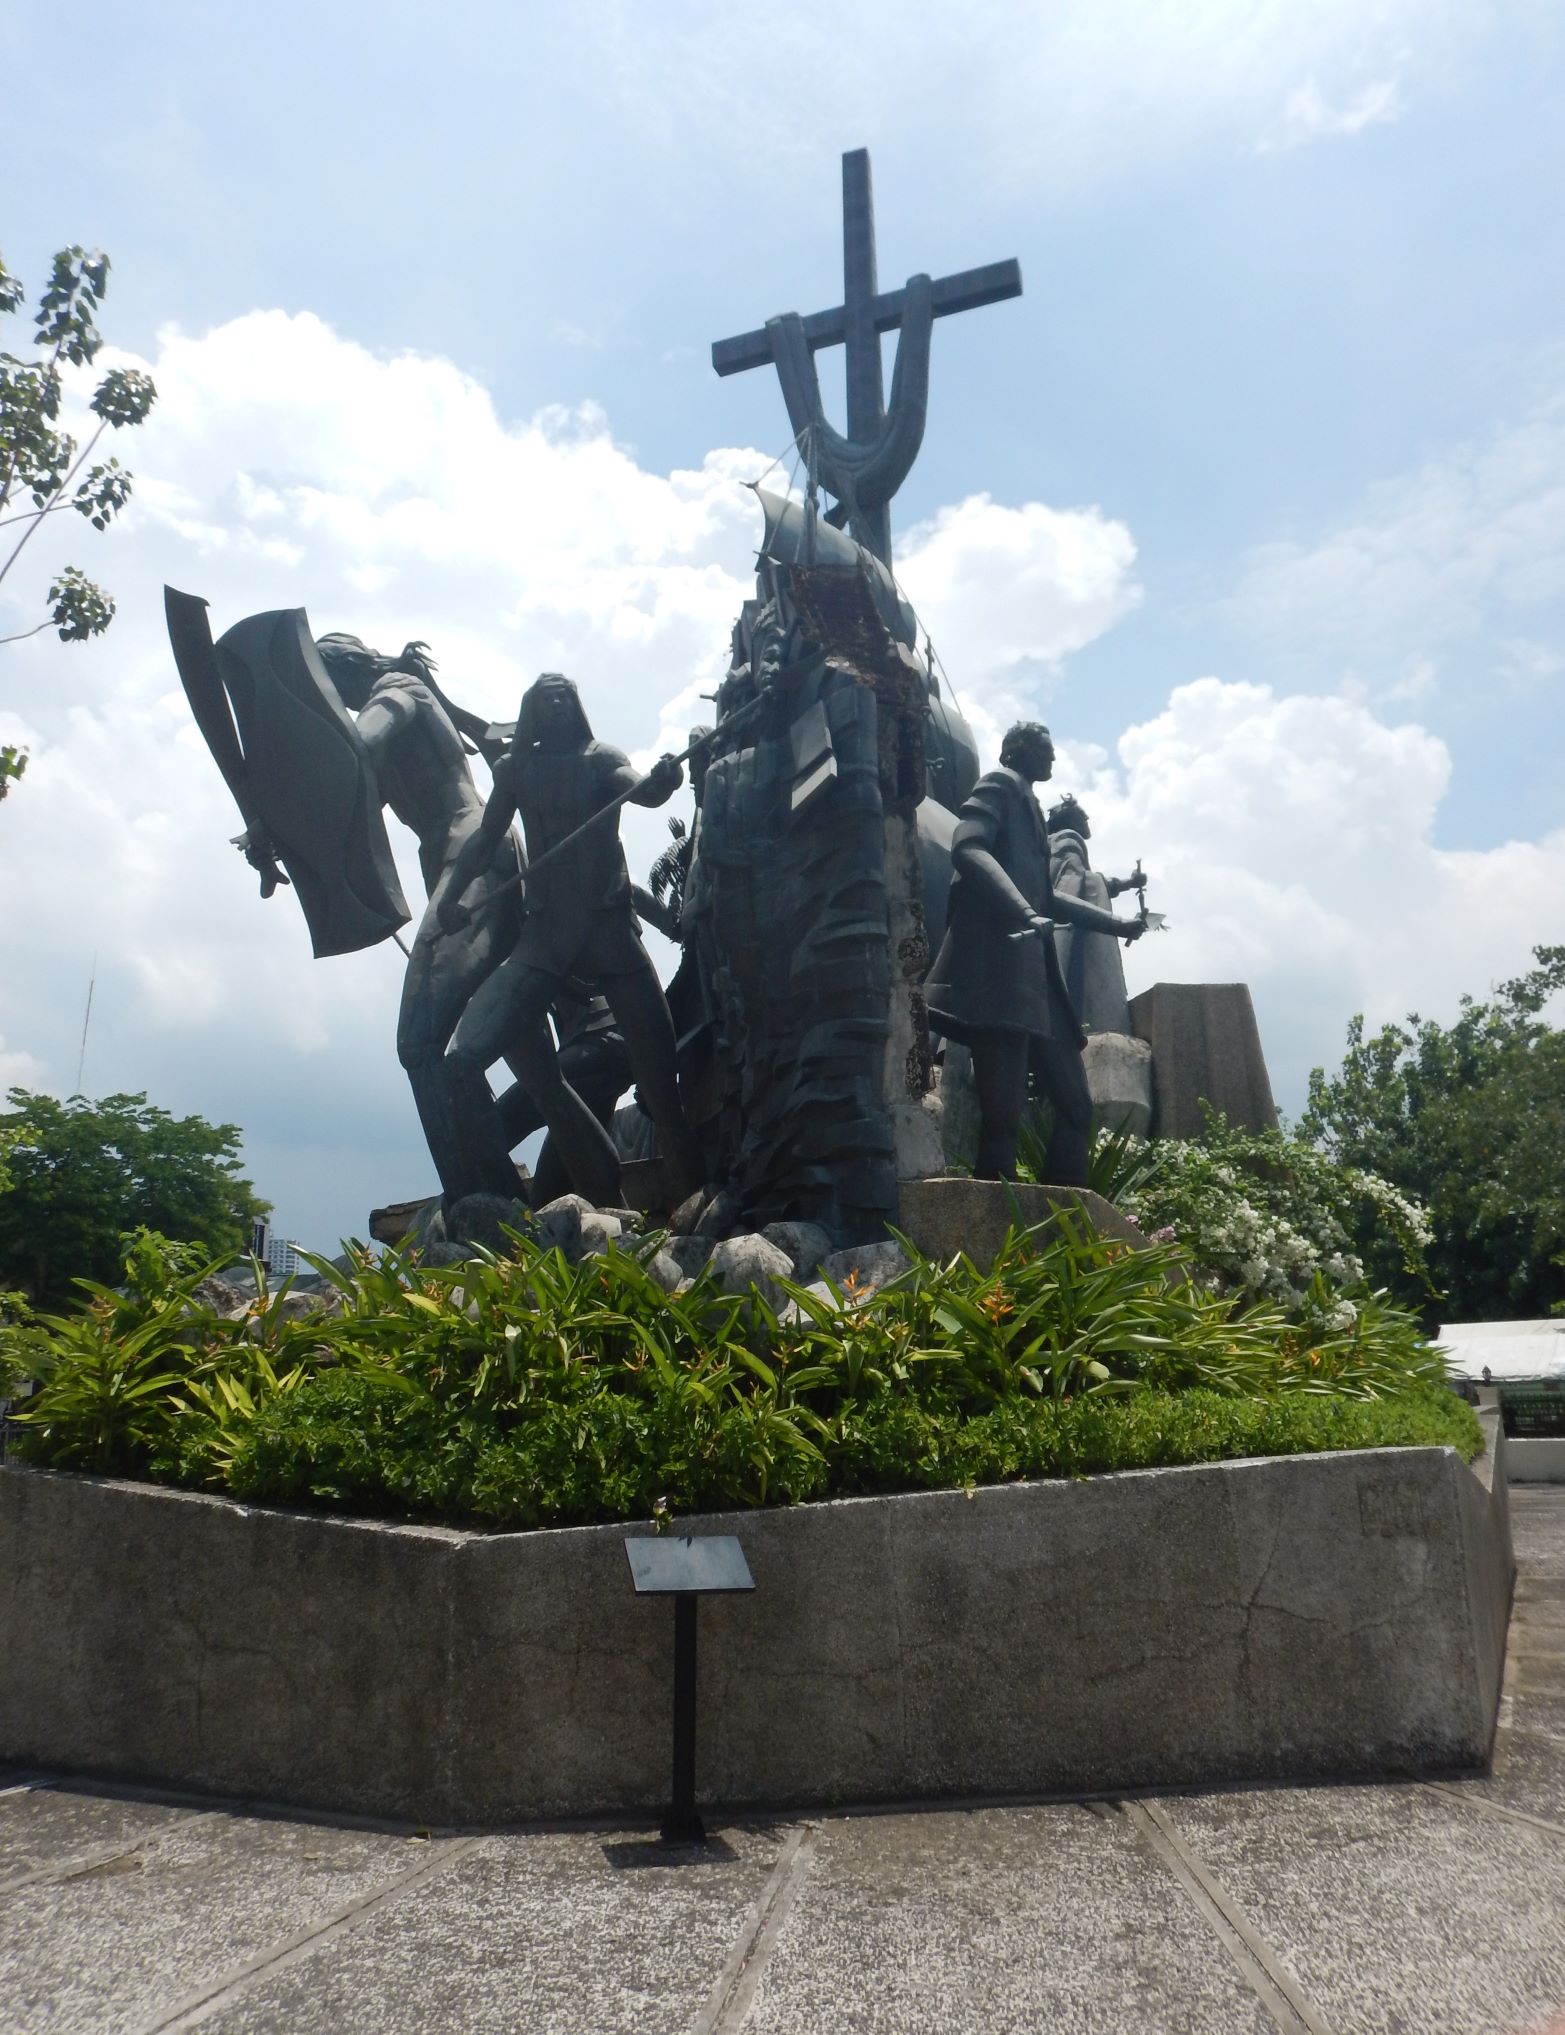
point(82, 1173)
point(1469, 1119)
point(40, 461)
point(12, 764)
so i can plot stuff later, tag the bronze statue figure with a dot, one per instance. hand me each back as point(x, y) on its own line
point(419, 758)
point(996, 984)
point(578, 924)
point(1089, 960)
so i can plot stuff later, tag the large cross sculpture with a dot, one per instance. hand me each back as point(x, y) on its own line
point(865, 468)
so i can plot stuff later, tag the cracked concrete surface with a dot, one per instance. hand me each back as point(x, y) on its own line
point(1319, 1910)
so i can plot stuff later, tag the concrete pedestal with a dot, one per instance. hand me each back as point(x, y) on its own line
point(1119, 1079)
point(1206, 1047)
point(946, 1215)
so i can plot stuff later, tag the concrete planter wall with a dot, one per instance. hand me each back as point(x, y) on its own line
point(1309, 1615)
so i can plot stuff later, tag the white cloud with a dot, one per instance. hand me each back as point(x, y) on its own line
point(1308, 116)
point(1008, 594)
point(1471, 545)
point(1290, 841)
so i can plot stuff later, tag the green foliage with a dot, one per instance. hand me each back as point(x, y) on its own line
point(13, 766)
point(41, 461)
point(523, 1391)
point(82, 1173)
point(1469, 1118)
point(1269, 1217)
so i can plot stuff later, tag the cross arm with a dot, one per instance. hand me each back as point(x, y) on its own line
point(965, 292)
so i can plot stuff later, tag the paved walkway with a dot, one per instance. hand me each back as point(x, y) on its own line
point(1426, 1906)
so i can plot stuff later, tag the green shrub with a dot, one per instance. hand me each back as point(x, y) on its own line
point(523, 1391)
point(1268, 1217)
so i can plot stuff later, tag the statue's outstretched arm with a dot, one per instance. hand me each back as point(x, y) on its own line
point(655, 789)
point(477, 851)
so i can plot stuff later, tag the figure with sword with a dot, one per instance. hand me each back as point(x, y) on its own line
point(1090, 961)
point(996, 984)
point(578, 922)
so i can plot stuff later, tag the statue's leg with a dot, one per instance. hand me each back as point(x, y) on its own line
point(600, 1075)
point(443, 973)
point(511, 1010)
point(1000, 1076)
point(1060, 1074)
point(637, 1001)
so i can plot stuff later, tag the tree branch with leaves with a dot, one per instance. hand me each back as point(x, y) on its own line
point(43, 470)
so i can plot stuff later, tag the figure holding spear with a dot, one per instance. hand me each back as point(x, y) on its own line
point(579, 921)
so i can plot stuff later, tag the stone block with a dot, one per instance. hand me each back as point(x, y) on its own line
point(1327, 1615)
point(400, 1219)
point(1206, 1047)
point(956, 1213)
point(1119, 1079)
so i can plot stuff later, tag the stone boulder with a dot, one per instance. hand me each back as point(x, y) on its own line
point(738, 1263)
point(665, 1270)
point(865, 1268)
point(483, 1219)
point(689, 1253)
point(805, 1243)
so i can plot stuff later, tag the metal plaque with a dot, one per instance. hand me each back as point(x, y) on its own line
point(679, 1565)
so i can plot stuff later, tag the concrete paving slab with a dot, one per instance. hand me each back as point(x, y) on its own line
point(44, 1829)
point(998, 1920)
point(1399, 1908)
point(1537, 1520)
point(102, 1951)
point(1528, 1776)
point(558, 1934)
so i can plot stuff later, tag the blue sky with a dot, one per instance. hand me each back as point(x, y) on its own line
point(1273, 446)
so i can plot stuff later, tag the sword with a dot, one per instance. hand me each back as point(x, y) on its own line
point(1153, 921)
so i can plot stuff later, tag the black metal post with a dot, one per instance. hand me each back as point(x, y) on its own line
point(682, 1825)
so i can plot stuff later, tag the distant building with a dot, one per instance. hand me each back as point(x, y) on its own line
point(280, 1255)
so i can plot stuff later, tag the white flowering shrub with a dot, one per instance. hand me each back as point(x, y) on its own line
point(1273, 1219)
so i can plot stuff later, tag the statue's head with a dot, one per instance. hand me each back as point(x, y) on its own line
point(353, 667)
point(1028, 749)
point(1067, 817)
point(552, 715)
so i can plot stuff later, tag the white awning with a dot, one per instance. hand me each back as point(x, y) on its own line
point(1513, 1352)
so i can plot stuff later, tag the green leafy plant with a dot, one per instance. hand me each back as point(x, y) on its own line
point(1466, 1120)
point(41, 461)
point(1268, 1217)
point(82, 1173)
point(520, 1390)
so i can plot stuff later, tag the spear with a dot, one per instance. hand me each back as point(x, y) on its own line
point(519, 880)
